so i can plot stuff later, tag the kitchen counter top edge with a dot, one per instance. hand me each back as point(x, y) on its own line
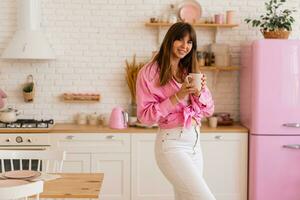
point(74, 128)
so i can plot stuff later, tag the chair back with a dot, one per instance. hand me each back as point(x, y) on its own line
point(45, 161)
point(22, 191)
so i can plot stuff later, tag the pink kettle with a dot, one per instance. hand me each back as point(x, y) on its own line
point(118, 118)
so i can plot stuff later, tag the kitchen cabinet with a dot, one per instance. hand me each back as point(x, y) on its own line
point(130, 171)
point(105, 153)
point(116, 169)
point(225, 164)
point(148, 183)
point(225, 167)
point(77, 163)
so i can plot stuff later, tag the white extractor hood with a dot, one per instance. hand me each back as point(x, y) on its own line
point(29, 42)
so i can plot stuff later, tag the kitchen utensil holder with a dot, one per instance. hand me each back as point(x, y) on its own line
point(29, 89)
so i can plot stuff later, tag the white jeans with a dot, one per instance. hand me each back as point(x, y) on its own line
point(179, 157)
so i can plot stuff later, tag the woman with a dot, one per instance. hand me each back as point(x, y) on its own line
point(165, 97)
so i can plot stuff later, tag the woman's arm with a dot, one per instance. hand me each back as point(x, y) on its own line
point(149, 108)
point(204, 103)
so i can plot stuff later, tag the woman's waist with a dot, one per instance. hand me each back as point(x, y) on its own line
point(179, 135)
point(177, 123)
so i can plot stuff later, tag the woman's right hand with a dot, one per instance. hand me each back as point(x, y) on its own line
point(188, 87)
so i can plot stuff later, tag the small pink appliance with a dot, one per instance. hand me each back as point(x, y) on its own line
point(270, 108)
point(118, 118)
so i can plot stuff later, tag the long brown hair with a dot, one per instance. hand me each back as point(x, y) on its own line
point(187, 64)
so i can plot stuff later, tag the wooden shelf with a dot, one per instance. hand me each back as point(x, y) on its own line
point(216, 68)
point(81, 101)
point(215, 27)
point(162, 24)
point(81, 97)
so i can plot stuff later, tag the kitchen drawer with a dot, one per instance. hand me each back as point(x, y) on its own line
point(91, 142)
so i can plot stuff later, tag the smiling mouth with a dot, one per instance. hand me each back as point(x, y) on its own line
point(182, 52)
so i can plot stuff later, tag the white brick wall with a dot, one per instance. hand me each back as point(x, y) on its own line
point(92, 39)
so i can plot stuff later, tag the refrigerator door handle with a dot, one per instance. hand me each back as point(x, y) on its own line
point(293, 125)
point(291, 146)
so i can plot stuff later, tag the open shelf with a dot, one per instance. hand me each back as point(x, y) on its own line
point(215, 27)
point(216, 68)
point(81, 97)
point(161, 24)
point(81, 101)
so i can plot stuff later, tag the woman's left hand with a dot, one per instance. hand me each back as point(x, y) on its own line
point(203, 85)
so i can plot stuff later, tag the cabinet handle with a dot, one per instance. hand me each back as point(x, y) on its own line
point(70, 137)
point(109, 137)
point(292, 125)
point(218, 137)
point(291, 146)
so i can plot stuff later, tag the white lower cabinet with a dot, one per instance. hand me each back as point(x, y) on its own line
point(77, 163)
point(225, 167)
point(147, 182)
point(130, 170)
point(116, 169)
point(225, 164)
point(105, 153)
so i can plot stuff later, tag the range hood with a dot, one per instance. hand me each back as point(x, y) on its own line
point(28, 42)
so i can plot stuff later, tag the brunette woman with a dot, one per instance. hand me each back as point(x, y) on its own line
point(165, 97)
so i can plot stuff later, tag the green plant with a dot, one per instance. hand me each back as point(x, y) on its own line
point(275, 18)
point(28, 87)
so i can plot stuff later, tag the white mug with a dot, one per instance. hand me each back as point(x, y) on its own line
point(197, 77)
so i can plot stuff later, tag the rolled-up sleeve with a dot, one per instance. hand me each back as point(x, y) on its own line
point(203, 105)
point(149, 107)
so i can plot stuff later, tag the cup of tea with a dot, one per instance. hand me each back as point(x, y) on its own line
point(197, 77)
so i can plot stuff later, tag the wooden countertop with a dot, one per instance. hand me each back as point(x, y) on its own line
point(74, 128)
point(74, 185)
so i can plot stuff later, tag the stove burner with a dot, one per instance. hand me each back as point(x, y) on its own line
point(28, 123)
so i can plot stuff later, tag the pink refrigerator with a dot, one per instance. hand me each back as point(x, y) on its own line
point(270, 108)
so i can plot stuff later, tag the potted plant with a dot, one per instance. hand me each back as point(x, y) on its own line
point(28, 89)
point(277, 22)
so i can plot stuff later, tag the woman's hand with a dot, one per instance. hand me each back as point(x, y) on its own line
point(188, 87)
point(203, 85)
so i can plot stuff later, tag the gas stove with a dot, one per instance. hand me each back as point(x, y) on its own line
point(28, 123)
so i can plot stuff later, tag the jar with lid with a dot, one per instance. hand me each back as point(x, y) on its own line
point(208, 59)
point(201, 58)
point(172, 15)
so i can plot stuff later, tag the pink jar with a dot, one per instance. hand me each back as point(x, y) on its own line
point(219, 19)
point(229, 17)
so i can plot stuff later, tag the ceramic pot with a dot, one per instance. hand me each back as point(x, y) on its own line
point(9, 115)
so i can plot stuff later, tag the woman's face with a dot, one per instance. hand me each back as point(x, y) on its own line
point(182, 47)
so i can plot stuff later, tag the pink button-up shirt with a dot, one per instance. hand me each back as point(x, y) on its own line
point(154, 105)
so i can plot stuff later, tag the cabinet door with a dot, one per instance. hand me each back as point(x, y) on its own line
point(116, 169)
point(148, 183)
point(225, 164)
point(77, 163)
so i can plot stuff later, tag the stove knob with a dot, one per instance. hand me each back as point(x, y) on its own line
point(29, 140)
point(7, 140)
point(19, 139)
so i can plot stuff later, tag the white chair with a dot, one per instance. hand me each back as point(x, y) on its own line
point(22, 191)
point(51, 161)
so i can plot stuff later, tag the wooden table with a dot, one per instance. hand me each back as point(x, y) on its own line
point(74, 185)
